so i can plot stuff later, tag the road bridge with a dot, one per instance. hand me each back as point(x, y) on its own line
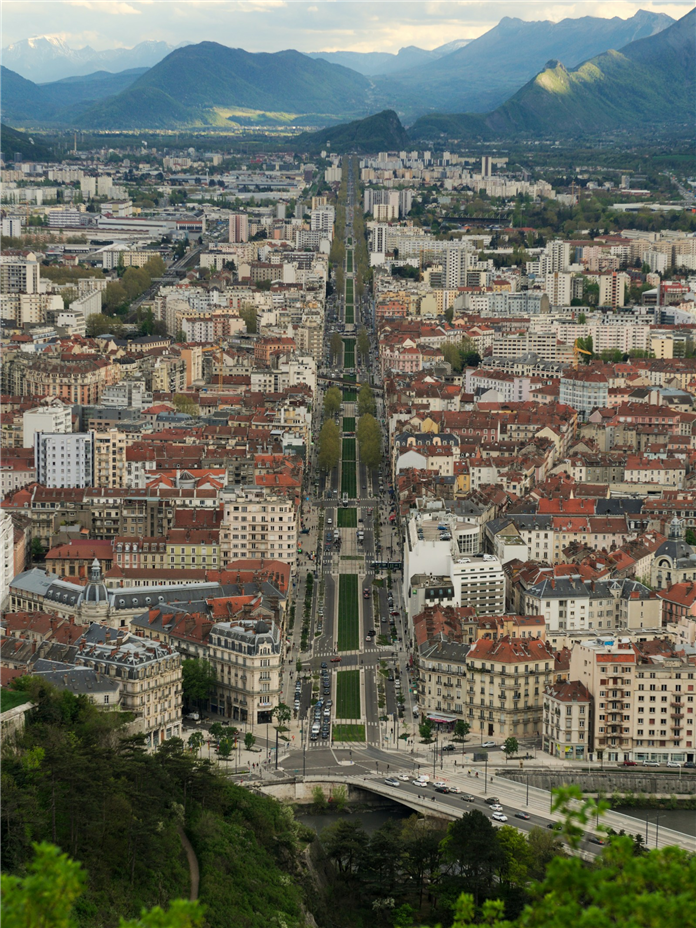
point(515, 798)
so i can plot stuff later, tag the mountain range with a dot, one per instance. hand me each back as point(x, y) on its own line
point(46, 58)
point(508, 81)
point(651, 82)
point(375, 63)
point(380, 132)
point(487, 71)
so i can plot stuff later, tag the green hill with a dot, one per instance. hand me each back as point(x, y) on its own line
point(195, 85)
point(30, 146)
point(381, 132)
point(649, 82)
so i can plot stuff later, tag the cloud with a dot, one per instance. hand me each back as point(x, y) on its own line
point(112, 9)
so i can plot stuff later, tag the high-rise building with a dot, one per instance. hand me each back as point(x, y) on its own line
point(486, 166)
point(64, 460)
point(19, 275)
point(559, 288)
point(612, 289)
point(239, 227)
point(53, 416)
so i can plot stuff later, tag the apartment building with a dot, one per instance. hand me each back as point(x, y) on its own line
point(567, 715)
point(64, 460)
point(442, 676)
point(584, 391)
point(192, 548)
point(256, 524)
point(505, 686)
point(109, 458)
point(149, 674)
point(51, 416)
point(571, 604)
point(19, 274)
point(238, 227)
point(643, 699)
point(246, 656)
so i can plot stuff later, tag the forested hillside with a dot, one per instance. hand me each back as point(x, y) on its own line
point(75, 779)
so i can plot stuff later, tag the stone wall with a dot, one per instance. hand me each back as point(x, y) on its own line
point(609, 781)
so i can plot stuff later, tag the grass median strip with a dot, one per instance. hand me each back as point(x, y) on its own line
point(348, 424)
point(349, 483)
point(348, 694)
point(347, 518)
point(348, 733)
point(348, 613)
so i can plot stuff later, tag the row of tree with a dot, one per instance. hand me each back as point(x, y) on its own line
point(369, 441)
point(329, 446)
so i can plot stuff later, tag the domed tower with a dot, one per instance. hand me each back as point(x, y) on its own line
point(94, 600)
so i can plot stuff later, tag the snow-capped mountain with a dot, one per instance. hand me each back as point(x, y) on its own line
point(48, 58)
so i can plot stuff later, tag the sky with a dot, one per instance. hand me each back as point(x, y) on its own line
point(272, 25)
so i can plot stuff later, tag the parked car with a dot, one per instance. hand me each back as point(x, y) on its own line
point(442, 789)
point(651, 763)
point(488, 744)
point(673, 763)
point(629, 763)
point(449, 747)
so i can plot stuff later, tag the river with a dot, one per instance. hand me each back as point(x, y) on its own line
point(683, 820)
point(371, 819)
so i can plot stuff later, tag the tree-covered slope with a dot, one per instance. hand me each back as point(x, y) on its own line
point(75, 778)
point(192, 82)
point(381, 132)
point(30, 146)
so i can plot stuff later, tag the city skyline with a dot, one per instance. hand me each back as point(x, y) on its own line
point(307, 27)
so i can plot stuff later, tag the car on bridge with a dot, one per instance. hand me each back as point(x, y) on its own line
point(392, 781)
point(499, 817)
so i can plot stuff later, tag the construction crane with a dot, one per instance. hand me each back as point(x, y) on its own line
point(577, 351)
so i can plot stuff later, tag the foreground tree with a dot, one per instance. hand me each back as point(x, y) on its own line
point(47, 895)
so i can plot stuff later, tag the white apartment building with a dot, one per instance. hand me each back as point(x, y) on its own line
point(88, 304)
point(52, 416)
point(441, 545)
point(64, 460)
point(12, 227)
point(257, 524)
point(572, 605)
point(559, 286)
point(126, 394)
point(458, 260)
point(584, 391)
point(322, 220)
point(6, 556)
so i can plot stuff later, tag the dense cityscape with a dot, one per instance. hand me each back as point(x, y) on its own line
point(348, 481)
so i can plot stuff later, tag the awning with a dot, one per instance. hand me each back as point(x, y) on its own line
point(442, 718)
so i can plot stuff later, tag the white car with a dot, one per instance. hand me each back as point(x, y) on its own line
point(392, 781)
point(404, 777)
point(420, 782)
point(439, 783)
point(499, 817)
point(488, 744)
point(496, 807)
point(673, 763)
point(454, 789)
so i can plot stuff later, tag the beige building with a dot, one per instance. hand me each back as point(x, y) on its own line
point(643, 703)
point(443, 679)
point(567, 711)
point(506, 682)
point(149, 674)
point(246, 655)
point(257, 524)
point(109, 458)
